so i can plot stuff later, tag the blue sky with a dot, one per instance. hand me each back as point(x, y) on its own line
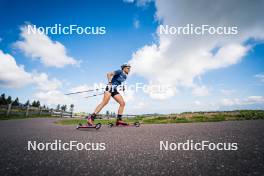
point(131, 37)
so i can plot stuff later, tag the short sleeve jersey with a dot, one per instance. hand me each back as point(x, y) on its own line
point(119, 77)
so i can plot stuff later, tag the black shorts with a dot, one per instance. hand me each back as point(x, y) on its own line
point(112, 90)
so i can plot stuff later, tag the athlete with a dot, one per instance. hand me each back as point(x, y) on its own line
point(115, 80)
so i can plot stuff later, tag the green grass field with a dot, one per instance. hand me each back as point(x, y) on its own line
point(182, 118)
point(187, 117)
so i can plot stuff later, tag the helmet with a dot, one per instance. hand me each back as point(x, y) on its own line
point(125, 65)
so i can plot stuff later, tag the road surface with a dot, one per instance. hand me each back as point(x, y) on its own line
point(132, 151)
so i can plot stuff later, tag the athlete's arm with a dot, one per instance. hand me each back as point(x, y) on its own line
point(110, 76)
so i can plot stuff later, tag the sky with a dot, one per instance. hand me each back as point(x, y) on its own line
point(200, 72)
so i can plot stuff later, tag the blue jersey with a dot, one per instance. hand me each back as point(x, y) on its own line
point(119, 77)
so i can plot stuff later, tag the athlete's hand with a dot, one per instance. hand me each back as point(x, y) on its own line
point(109, 85)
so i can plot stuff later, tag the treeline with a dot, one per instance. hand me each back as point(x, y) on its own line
point(65, 107)
point(7, 100)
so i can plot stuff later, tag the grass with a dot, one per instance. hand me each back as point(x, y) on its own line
point(159, 120)
point(162, 119)
point(182, 118)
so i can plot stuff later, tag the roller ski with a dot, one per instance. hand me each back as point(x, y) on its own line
point(90, 124)
point(121, 123)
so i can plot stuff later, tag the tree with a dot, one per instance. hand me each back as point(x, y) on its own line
point(9, 100)
point(107, 113)
point(16, 102)
point(34, 103)
point(27, 103)
point(58, 107)
point(38, 104)
point(64, 107)
point(71, 107)
point(3, 99)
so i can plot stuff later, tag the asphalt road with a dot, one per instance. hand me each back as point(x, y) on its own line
point(132, 151)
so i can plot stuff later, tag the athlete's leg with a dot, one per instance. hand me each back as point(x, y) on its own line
point(121, 102)
point(106, 98)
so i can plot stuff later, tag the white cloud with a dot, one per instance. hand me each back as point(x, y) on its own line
point(83, 87)
point(260, 77)
point(228, 104)
point(128, 95)
point(15, 76)
point(161, 94)
point(139, 105)
point(40, 46)
point(196, 102)
point(180, 60)
point(129, 1)
point(245, 101)
point(140, 3)
point(255, 99)
point(48, 90)
point(44, 83)
point(136, 23)
point(53, 97)
point(200, 91)
point(93, 90)
point(227, 91)
point(11, 74)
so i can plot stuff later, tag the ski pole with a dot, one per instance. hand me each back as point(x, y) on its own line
point(94, 95)
point(90, 90)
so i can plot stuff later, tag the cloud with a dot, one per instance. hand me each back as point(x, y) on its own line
point(180, 60)
point(140, 3)
point(140, 105)
point(250, 102)
point(15, 76)
point(129, 1)
point(53, 97)
point(44, 83)
point(196, 102)
point(136, 23)
point(260, 77)
point(48, 90)
point(200, 91)
point(83, 87)
point(246, 101)
point(227, 91)
point(40, 46)
point(128, 95)
point(11, 74)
